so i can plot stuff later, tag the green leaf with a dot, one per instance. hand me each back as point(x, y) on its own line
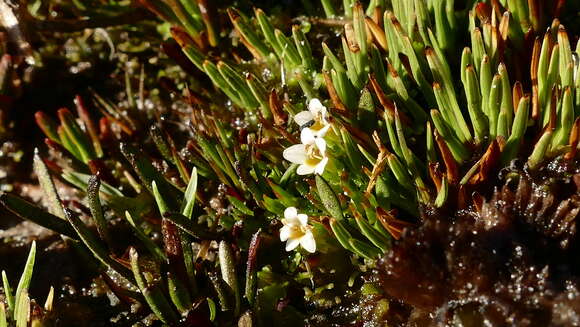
point(518, 130)
point(212, 72)
point(240, 205)
point(161, 204)
point(442, 195)
point(236, 82)
point(352, 152)
point(328, 198)
point(466, 60)
point(68, 144)
point(178, 293)
point(566, 74)
point(189, 197)
point(288, 175)
point(289, 51)
point(24, 283)
point(328, 7)
point(458, 150)
point(351, 68)
point(268, 31)
point(212, 309)
point(81, 181)
point(3, 319)
point(373, 235)
point(336, 63)
point(400, 172)
point(76, 135)
point(29, 211)
point(188, 21)
point(273, 205)
point(193, 53)
point(507, 108)
point(223, 292)
point(364, 249)
point(96, 209)
point(47, 125)
point(147, 174)
point(152, 293)
point(342, 234)
point(478, 119)
point(485, 79)
point(431, 152)
point(228, 270)
point(8, 292)
point(192, 228)
point(248, 32)
point(494, 105)
point(47, 185)
point(566, 116)
point(259, 92)
point(21, 317)
point(303, 47)
point(540, 149)
point(252, 268)
point(160, 143)
point(285, 197)
point(96, 246)
point(151, 246)
point(550, 80)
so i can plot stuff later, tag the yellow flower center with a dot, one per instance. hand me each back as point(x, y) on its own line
point(296, 231)
point(313, 154)
point(318, 122)
point(318, 125)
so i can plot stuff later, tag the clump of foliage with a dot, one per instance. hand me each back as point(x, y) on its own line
point(418, 159)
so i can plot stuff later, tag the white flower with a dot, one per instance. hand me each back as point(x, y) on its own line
point(311, 154)
point(296, 231)
point(317, 115)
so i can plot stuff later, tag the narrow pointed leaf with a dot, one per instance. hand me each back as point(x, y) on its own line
point(29, 211)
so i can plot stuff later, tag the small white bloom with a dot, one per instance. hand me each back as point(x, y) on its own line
point(296, 231)
point(317, 114)
point(311, 154)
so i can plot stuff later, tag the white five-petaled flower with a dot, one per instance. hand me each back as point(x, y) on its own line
point(316, 115)
point(296, 231)
point(311, 154)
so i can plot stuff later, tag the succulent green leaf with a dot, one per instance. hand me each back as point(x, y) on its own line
point(328, 198)
point(228, 270)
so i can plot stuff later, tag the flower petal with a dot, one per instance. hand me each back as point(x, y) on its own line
point(290, 213)
point(305, 169)
point(319, 169)
point(308, 242)
point(291, 244)
point(315, 107)
point(303, 117)
point(295, 154)
point(307, 136)
point(321, 145)
point(285, 232)
point(303, 219)
point(322, 132)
